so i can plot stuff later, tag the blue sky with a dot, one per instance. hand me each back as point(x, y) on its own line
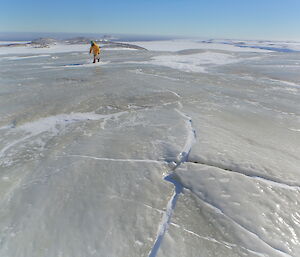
point(245, 19)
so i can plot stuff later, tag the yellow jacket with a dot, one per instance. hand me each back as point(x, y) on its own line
point(95, 49)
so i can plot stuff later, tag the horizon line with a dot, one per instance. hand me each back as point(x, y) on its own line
point(157, 36)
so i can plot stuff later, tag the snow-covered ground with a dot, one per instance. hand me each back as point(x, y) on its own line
point(197, 62)
point(189, 149)
point(58, 48)
point(284, 46)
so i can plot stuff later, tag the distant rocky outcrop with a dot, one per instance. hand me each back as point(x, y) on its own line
point(43, 42)
point(77, 40)
point(105, 42)
point(110, 44)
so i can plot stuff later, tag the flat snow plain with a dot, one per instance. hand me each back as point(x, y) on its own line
point(189, 149)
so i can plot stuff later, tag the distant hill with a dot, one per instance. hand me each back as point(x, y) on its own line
point(104, 42)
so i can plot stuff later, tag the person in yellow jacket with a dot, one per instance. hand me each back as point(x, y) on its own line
point(95, 49)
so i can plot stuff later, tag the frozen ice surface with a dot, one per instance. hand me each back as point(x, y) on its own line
point(145, 154)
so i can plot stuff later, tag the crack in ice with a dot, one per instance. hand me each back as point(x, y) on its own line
point(228, 245)
point(252, 234)
point(181, 158)
point(213, 240)
point(166, 219)
point(115, 159)
point(260, 177)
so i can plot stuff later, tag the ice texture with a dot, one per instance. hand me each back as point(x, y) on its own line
point(186, 151)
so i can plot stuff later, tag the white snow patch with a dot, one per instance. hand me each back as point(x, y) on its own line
point(288, 83)
point(13, 42)
point(23, 57)
point(53, 124)
point(58, 48)
point(50, 123)
point(193, 62)
point(294, 129)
